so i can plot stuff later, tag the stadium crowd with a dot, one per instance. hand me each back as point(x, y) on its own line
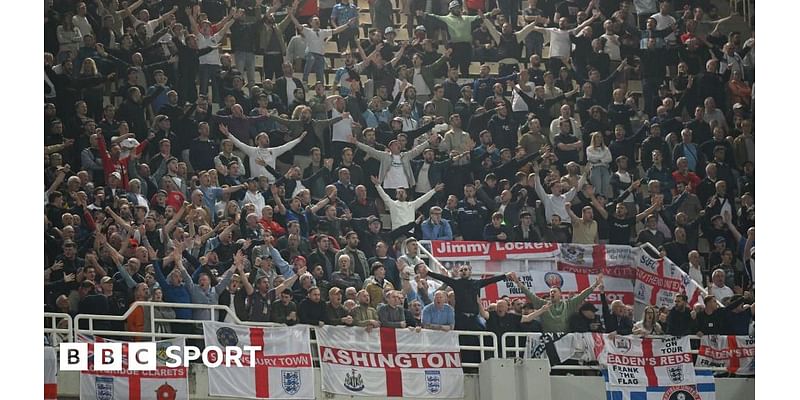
point(191, 158)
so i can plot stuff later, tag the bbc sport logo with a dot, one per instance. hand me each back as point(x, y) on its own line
point(148, 356)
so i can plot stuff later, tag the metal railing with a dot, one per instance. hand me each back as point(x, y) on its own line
point(54, 331)
point(518, 348)
point(478, 346)
point(475, 346)
point(747, 10)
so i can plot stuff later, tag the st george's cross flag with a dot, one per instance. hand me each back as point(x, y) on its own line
point(133, 385)
point(283, 369)
point(737, 354)
point(634, 361)
point(390, 362)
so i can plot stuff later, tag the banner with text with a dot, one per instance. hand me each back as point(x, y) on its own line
point(659, 280)
point(494, 257)
point(164, 382)
point(737, 354)
point(560, 347)
point(611, 260)
point(705, 389)
point(390, 362)
point(634, 361)
point(283, 368)
point(540, 282)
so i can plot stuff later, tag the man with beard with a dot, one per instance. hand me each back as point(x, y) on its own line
point(466, 291)
point(556, 319)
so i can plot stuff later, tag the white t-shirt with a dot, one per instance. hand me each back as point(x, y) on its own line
point(315, 40)
point(212, 58)
point(560, 44)
point(720, 292)
point(664, 22)
point(342, 129)
point(396, 177)
point(517, 104)
point(612, 47)
point(419, 83)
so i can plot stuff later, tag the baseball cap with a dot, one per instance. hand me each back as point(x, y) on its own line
point(299, 258)
point(719, 239)
point(116, 174)
point(388, 30)
point(715, 217)
point(454, 4)
point(525, 214)
point(105, 279)
point(372, 219)
point(398, 119)
point(420, 28)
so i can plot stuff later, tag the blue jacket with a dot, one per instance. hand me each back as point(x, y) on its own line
point(431, 231)
point(174, 294)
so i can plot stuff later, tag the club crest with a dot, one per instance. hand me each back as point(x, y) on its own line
point(227, 336)
point(675, 374)
point(290, 380)
point(104, 388)
point(433, 379)
point(354, 382)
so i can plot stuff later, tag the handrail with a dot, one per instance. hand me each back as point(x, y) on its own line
point(485, 343)
point(53, 329)
point(519, 350)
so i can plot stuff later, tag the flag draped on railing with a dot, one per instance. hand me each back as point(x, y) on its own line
point(283, 369)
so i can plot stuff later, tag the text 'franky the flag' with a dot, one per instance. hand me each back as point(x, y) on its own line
point(390, 362)
point(283, 369)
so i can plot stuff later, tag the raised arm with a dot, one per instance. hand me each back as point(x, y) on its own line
point(339, 29)
point(283, 266)
point(536, 314)
point(481, 309)
point(121, 222)
point(595, 15)
point(642, 215)
point(238, 262)
point(532, 297)
point(491, 28)
point(737, 236)
point(249, 150)
point(523, 33)
point(497, 278)
point(578, 298)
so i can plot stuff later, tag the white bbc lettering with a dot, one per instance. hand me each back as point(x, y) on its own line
point(73, 356)
point(142, 356)
point(108, 356)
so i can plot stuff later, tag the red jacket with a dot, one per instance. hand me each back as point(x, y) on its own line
point(691, 179)
point(120, 165)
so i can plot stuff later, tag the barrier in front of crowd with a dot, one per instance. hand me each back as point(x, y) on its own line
point(476, 346)
point(515, 345)
point(53, 330)
point(481, 345)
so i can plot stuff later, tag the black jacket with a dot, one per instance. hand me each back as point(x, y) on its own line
point(679, 323)
point(621, 325)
